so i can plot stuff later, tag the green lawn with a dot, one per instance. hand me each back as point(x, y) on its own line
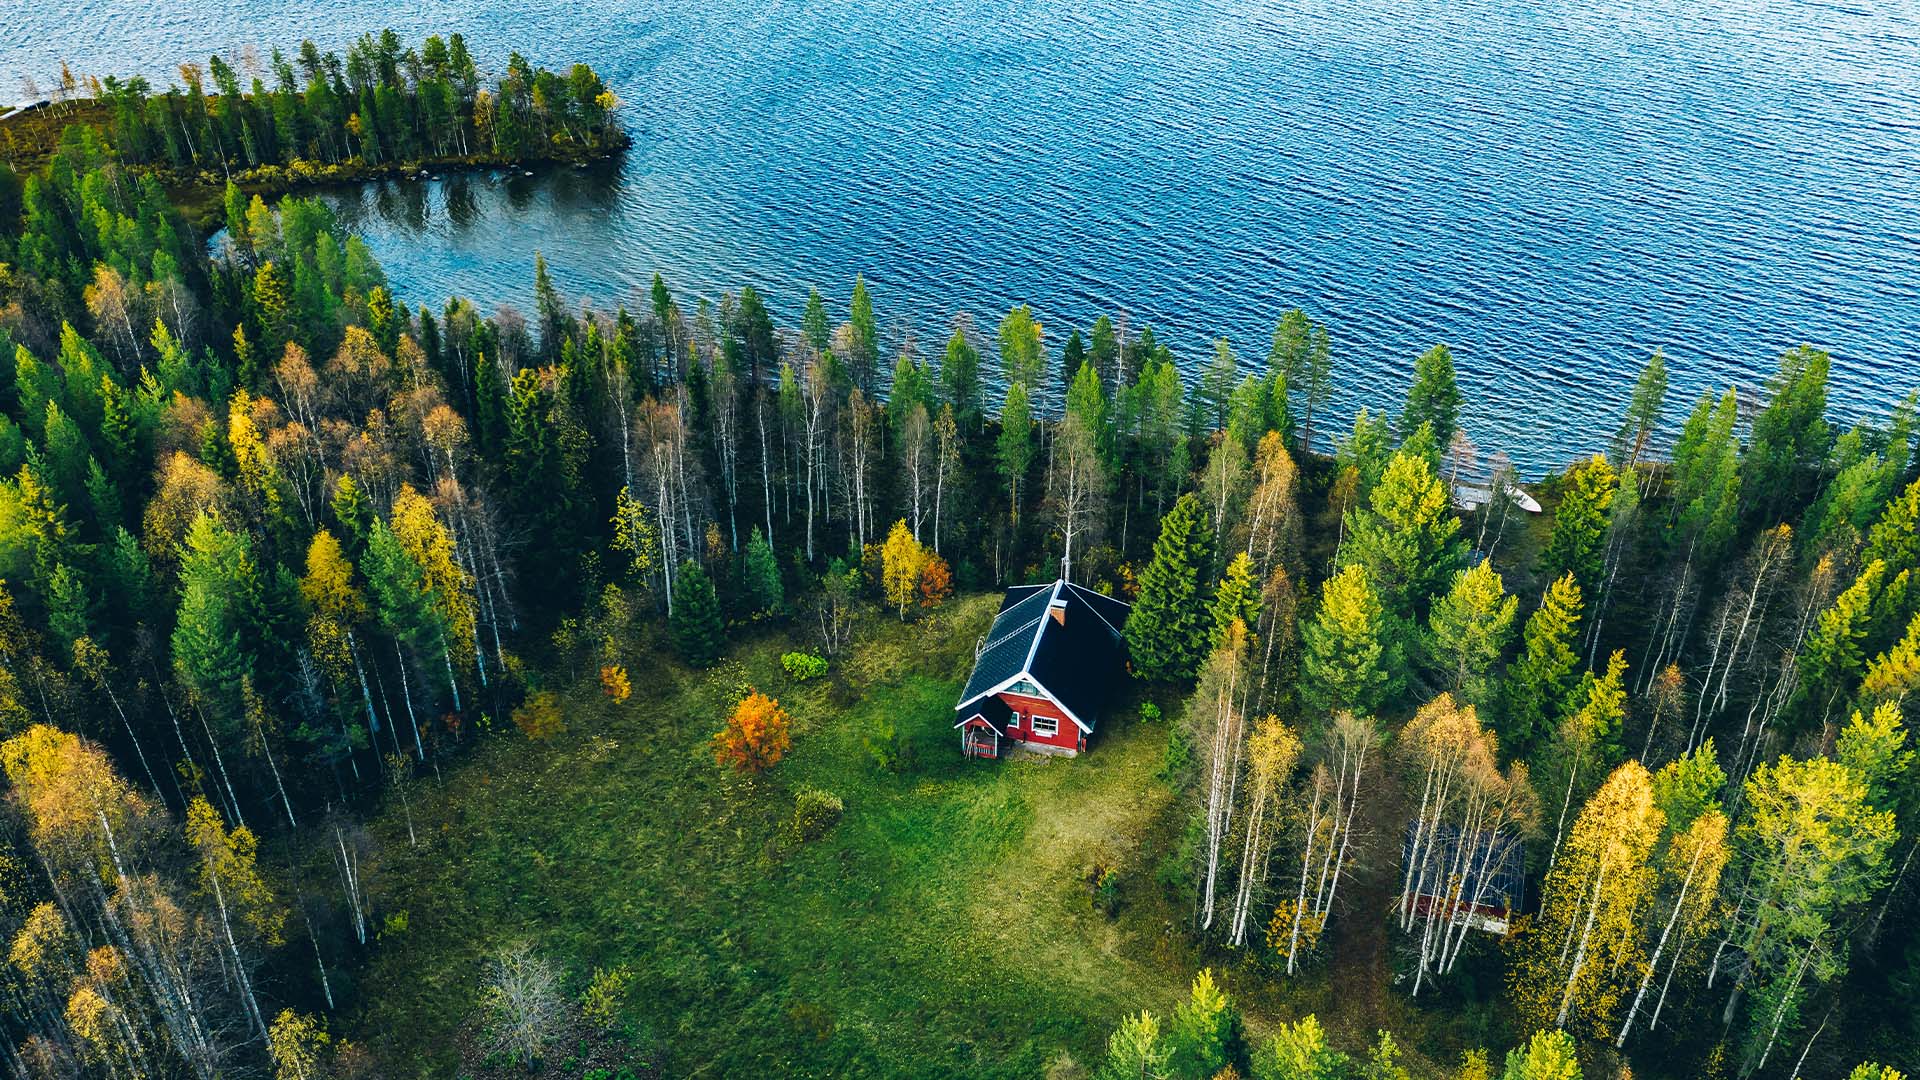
point(943, 928)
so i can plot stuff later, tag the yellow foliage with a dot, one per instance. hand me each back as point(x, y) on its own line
point(540, 716)
point(615, 684)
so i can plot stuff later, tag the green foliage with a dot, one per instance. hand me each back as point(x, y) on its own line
point(1299, 1051)
point(1468, 629)
point(1540, 678)
point(698, 632)
point(1205, 1035)
point(760, 577)
point(1408, 542)
point(1169, 630)
point(1434, 398)
point(1351, 661)
point(1578, 544)
point(1548, 1055)
point(802, 666)
point(814, 812)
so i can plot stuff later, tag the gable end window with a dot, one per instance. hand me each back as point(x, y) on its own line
point(1025, 688)
point(1045, 725)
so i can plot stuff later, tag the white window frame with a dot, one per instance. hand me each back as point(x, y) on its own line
point(1052, 728)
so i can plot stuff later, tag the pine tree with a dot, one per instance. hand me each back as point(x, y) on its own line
point(1351, 661)
point(1169, 630)
point(697, 629)
point(1540, 678)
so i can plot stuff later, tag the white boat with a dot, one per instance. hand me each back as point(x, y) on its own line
point(1475, 496)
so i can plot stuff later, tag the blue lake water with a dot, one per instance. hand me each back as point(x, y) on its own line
point(1553, 190)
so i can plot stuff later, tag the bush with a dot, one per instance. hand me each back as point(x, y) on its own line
point(1149, 712)
point(600, 1003)
point(1106, 890)
point(814, 812)
point(540, 716)
point(803, 665)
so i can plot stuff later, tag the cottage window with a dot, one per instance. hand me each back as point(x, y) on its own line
point(1025, 688)
point(1045, 725)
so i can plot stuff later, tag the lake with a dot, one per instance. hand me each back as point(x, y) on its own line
point(1553, 190)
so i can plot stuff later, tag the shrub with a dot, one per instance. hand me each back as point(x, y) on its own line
point(615, 684)
point(814, 812)
point(600, 1002)
point(540, 716)
point(803, 665)
point(1106, 889)
point(1149, 712)
point(755, 738)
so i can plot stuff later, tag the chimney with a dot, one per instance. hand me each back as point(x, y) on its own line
point(1058, 609)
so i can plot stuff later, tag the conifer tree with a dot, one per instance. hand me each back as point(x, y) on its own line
point(1014, 450)
point(1434, 398)
point(1540, 678)
point(1578, 543)
point(1351, 661)
point(760, 576)
point(1168, 631)
point(1407, 541)
point(697, 629)
point(1468, 630)
point(1236, 597)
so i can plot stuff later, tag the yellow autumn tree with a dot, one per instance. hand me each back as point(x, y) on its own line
point(258, 475)
point(1584, 949)
point(430, 544)
point(334, 605)
point(902, 558)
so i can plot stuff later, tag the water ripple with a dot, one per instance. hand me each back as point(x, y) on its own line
point(1552, 190)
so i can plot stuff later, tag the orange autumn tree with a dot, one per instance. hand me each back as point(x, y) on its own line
point(936, 582)
point(755, 738)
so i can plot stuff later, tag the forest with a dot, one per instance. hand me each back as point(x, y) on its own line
point(393, 688)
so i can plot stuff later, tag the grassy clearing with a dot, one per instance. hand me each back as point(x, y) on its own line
point(943, 928)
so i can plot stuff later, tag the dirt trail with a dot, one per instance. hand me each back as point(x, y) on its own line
point(1360, 925)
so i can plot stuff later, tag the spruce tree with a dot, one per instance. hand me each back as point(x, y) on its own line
point(760, 577)
point(1540, 679)
point(1407, 540)
point(1237, 597)
point(697, 630)
point(1169, 632)
point(1352, 663)
point(1434, 397)
point(1580, 522)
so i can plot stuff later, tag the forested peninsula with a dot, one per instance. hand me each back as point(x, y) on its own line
point(391, 688)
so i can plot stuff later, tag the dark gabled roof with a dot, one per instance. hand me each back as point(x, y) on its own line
point(1496, 870)
point(994, 711)
point(1077, 663)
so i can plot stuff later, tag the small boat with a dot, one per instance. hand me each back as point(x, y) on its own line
point(1475, 496)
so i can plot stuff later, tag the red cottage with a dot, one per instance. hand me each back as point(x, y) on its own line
point(1044, 672)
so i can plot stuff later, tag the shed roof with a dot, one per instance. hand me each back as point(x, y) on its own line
point(1496, 872)
point(1076, 660)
